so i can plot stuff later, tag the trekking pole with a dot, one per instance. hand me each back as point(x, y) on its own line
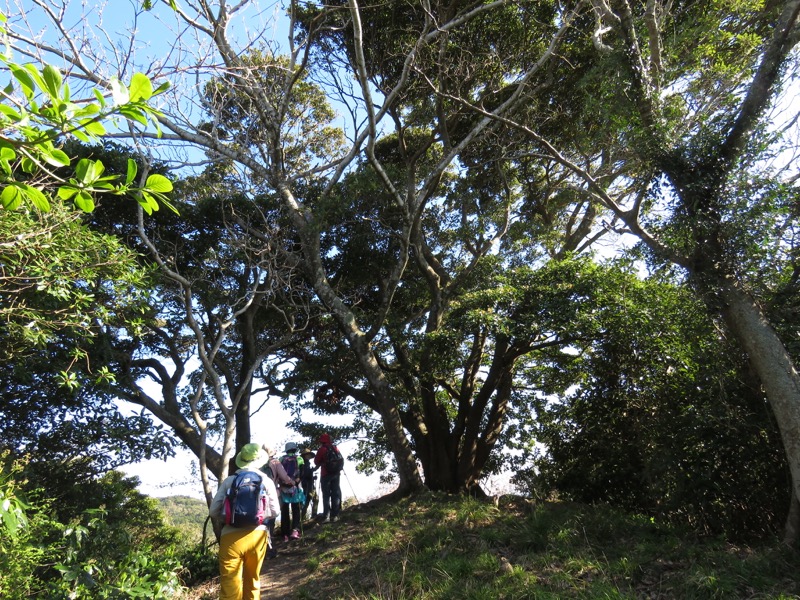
point(351, 486)
point(302, 518)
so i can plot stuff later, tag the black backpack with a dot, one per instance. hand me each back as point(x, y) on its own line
point(246, 500)
point(334, 461)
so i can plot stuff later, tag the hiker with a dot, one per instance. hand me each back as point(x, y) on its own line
point(330, 459)
point(308, 479)
point(274, 468)
point(242, 547)
point(292, 498)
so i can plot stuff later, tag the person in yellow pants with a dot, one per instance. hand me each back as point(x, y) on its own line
point(242, 549)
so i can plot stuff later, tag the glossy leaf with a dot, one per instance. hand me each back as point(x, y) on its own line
point(132, 170)
point(36, 196)
point(148, 202)
point(52, 80)
point(24, 79)
point(141, 88)
point(158, 183)
point(10, 112)
point(11, 197)
point(56, 157)
point(84, 201)
point(93, 127)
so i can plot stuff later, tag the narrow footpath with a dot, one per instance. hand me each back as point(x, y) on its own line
point(282, 576)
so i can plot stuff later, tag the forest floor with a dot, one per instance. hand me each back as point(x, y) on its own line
point(438, 547)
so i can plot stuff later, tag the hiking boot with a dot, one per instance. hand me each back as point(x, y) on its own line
point(334, 519)
point(322, 518)
point(295, 534)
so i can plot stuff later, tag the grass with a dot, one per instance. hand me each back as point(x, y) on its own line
point(441, 547)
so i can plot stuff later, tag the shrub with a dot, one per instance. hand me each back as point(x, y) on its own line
point(120, 548)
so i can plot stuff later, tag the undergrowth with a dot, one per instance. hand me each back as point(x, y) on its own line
point(442, 547)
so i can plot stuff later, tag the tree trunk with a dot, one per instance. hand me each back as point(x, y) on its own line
point(791, 532)
point(439, 465)
point(770, 360)
point(407, 471)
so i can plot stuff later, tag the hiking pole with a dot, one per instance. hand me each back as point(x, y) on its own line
point(351, 486)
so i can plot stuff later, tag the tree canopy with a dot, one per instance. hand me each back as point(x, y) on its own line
point(405, 212)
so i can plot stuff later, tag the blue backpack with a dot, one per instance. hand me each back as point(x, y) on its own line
point(246, 500)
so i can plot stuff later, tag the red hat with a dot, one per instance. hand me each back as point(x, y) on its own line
point(324, 439)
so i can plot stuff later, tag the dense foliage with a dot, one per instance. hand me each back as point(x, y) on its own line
point(667, 420)
point(82, 536)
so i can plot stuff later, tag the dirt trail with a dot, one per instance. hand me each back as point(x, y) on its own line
point(282, 576)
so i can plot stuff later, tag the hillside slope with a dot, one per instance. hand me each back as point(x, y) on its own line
point(185, 514)
point(440, 547)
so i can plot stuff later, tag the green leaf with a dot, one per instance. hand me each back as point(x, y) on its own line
point(10, 113)
point(148, 202)
point(158, 183)
point(67, 192)
point(94, 128)
point(134, 114)
point(56, 157)
point(141, 88)
point(84, 201)
point(100, 99)
point(97, 169)
point(52, 81)
point(132, 170)
point(24, 79)
point(169, 205)
point(87, 111)
point(11, 197)
point(36, 196)
point(36, 76)
point(81, 169)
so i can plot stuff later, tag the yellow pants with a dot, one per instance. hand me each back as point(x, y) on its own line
point(241, 554)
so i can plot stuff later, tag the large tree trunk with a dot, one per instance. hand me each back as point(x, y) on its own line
point(775, 368)
point(407, 471)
